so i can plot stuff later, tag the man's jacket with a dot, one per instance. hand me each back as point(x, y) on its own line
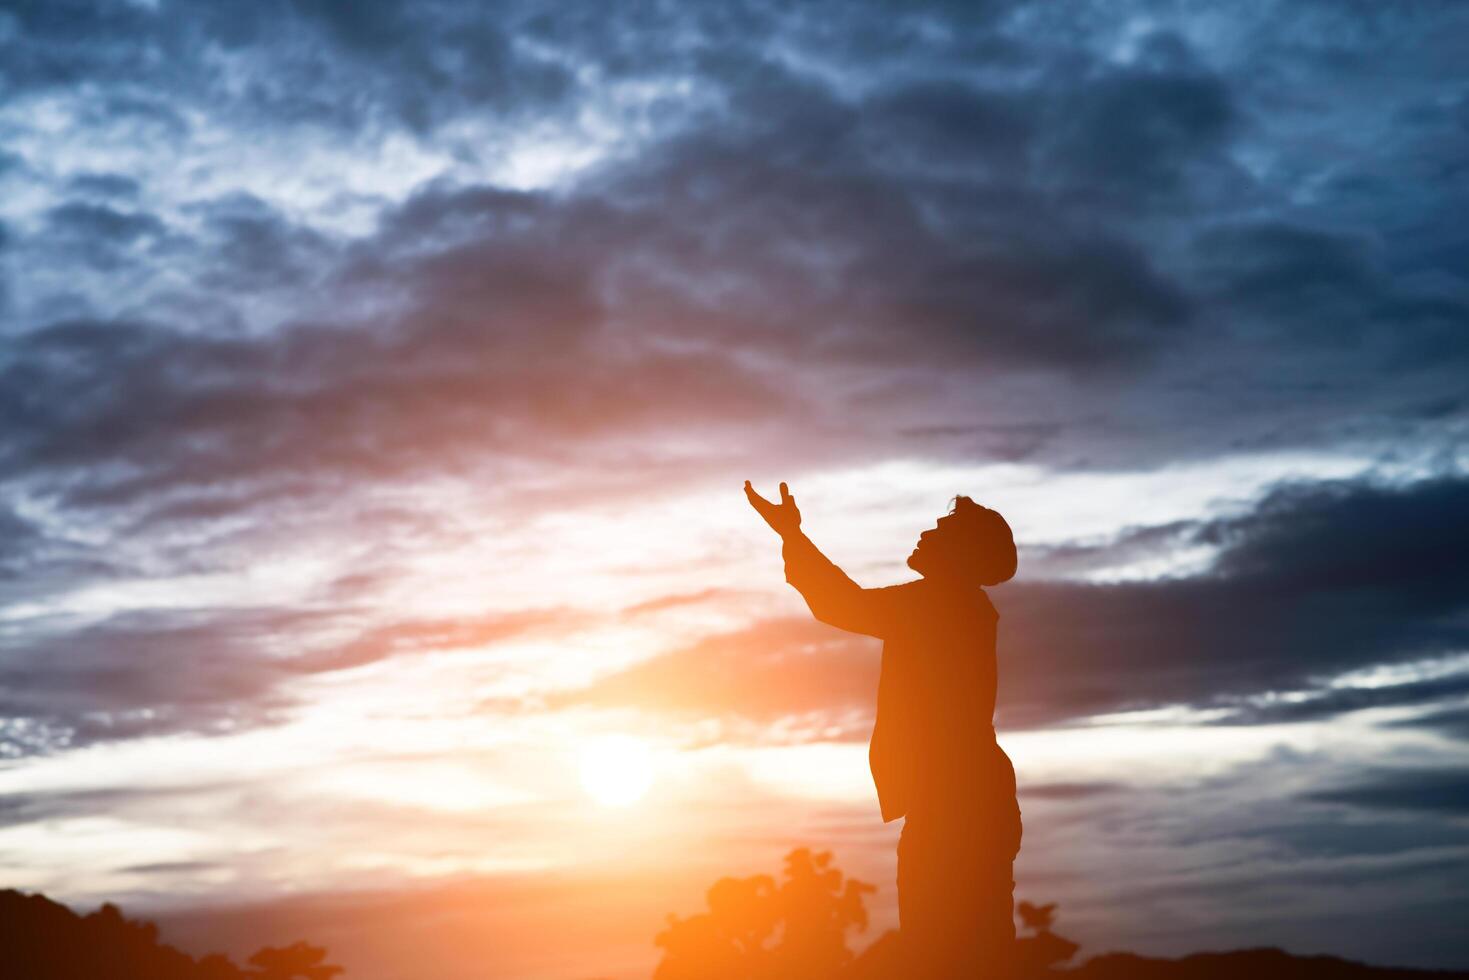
point(933, 743)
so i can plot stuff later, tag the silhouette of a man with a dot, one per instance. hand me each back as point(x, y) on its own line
point(934, 757)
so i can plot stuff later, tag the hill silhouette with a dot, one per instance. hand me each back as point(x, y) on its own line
point(1257, 964)
point(755, 928)
point(881, 961)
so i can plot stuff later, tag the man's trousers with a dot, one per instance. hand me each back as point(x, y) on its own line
point(956, 891)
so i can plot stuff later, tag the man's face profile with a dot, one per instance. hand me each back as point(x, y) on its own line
point(930, 554)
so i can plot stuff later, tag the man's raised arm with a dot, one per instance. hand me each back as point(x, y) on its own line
point(833, 597)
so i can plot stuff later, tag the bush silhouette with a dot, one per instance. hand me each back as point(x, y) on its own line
point(756, 929)
point(1042, 949)
point(298, 961)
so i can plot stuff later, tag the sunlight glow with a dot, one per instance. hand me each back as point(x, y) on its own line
point(616, 770)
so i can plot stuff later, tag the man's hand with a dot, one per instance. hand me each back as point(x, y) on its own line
point(783, 517)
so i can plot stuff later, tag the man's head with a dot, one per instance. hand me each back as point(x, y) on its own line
point(971, 543)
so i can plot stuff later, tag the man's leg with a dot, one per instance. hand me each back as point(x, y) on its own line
point(956, 895)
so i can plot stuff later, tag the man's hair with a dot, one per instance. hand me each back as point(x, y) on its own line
point(986, 546)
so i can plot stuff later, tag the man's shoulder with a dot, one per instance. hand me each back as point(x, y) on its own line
point(905, 591)
point(917, 605)
point(926, 591)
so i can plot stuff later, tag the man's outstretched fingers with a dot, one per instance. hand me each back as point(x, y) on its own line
point(763, 507)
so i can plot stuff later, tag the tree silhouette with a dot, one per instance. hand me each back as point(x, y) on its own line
point(818, 908)
point(43, 940)
point(758, 930)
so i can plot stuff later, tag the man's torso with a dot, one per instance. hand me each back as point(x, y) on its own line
point(933, 743)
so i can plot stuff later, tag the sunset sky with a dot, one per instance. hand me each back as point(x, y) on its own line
point(378, 381)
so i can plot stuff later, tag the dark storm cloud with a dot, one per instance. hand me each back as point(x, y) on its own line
point(297, 62)
point(140, 411)
point(948, 126)
point(105, 185)
point(1352, 537)
point(17, 539)
point(1309, 833)
point(140, 674)
point(1332, 288)
point(33, 561)
point(1453, 722)
point(1067, 213)
point(99, 237)
point(876, 258)
point(1316, 580)
point(251, 246)
point(100, 222)
point(1130, 135)
point(1437, 791)
point(691, 241)
point(1328, 702)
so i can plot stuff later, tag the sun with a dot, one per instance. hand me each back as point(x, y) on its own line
point(616, 770)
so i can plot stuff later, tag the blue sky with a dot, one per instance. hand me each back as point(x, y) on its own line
point(378, 382)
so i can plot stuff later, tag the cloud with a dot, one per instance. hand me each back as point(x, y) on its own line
point(1453, 722)
point(162, 411)
point(854, 263)
point(1316, 580)
point(253, 247)
point(765, 673)
point(1435, 791)
point(18, 538)
point(286, 62)
point(661, 603)
point(100, 222)
point(207, 671)
point(17, 809)
point(140, 674)
point(104, 185)
point(416, 636)
point(496, 322)
point(1067, 791)
point(1326, 702)
point(1134, 132)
